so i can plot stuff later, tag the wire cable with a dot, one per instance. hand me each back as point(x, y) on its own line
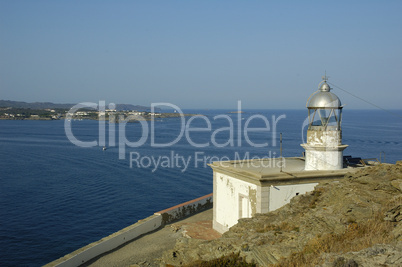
point(368, 102)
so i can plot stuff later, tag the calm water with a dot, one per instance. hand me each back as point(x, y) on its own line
point(56, 197)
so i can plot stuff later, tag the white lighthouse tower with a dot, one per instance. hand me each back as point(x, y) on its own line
point(324, 148)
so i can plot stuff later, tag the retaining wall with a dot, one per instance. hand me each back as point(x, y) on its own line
point(186, 209)
point(131, 232)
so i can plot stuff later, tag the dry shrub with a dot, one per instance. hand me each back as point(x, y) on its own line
point(315, 196)
point(283, 226)
point(357, 236)
point(231, 260)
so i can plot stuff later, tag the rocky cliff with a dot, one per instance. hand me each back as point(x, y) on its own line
point(352, 222)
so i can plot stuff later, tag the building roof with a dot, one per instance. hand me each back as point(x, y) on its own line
point(268, 170)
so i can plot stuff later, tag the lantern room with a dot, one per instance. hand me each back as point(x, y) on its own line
point(324, 109)
point(324, 148)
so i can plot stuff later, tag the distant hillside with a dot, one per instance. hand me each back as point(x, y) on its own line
point(45, 105)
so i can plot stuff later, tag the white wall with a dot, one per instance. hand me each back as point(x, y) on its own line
point(282, 194)
point(324, 138)
point(234, 199)
point(323, 160)
point(324, 150)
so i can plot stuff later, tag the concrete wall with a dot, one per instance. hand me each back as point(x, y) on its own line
point(233, 199)
point(263, 199)
point(281, 195)
point(186, 209)
point(108, 243)
point(131, 232)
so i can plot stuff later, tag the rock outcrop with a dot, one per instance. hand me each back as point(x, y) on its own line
point(352, 222)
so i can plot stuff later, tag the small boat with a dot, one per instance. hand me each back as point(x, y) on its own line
point(104, 148)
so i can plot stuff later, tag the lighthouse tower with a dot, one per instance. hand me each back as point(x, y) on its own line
point(324, 148)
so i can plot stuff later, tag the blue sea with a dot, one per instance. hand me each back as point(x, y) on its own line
point(56, 197)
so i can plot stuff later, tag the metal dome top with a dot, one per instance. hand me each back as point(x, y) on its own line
point(323, 98)
point(325, 87)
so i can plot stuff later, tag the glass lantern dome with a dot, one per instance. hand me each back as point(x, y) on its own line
point(324, 109)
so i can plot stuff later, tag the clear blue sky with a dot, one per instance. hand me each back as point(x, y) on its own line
point(200, 54)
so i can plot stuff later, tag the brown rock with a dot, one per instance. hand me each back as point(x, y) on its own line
point(397, 184)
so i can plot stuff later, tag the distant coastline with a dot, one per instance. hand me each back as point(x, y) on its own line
point(15, 110)
point(113, 117)
point(50, 105)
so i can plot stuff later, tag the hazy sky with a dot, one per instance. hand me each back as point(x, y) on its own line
point(200, 54)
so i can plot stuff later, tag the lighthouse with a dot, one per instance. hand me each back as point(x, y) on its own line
point(243, 188)
point(324, 148)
